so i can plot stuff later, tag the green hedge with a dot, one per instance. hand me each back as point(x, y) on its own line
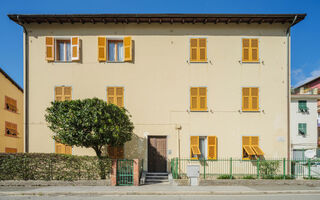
point(41, 166)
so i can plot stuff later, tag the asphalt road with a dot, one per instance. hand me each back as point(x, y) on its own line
point(172, 197)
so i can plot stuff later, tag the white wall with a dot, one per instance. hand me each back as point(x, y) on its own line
point(308, 141)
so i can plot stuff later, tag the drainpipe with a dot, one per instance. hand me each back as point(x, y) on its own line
point(288, 33)
point(26, 86)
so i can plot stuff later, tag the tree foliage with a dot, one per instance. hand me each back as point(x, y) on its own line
point(90, 123)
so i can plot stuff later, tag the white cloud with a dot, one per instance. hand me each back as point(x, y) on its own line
point(299, 76)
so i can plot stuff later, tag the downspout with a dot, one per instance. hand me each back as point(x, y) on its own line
point(26, 86)
point(288, 33)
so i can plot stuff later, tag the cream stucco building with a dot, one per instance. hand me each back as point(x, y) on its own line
point(211, 86)
point(11, 115)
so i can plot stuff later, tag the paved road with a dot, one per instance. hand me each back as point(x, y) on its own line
point(173, 197)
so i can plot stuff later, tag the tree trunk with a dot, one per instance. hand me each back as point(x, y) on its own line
point(101, 163)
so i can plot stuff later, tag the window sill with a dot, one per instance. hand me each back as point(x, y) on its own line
point(252, 62)
point(199, 110)
point(198, 62)
point(251, 111)
point(16, 112)
point(115, 61)
point(13, 136)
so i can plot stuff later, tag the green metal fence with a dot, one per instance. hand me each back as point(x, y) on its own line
point(259, 168)
point(125, 172)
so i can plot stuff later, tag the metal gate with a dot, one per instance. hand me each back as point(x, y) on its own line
point(124, 172)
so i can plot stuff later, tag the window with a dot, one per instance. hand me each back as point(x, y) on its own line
point(303, 106)
point(198, 99)
point(10, 104)
point(63, 93)
point(62, 148)
point(250, 147)
point(250, 50)
point(115, 96)
point(114, 50)
point(250, 99)
point(64, 49)
point(116, 152)
point(198, 50)
point(302, 129)
point(10, 150)
point(203, 147)
point(11, 129)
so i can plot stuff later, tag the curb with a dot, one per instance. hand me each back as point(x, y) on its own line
point(164, 193)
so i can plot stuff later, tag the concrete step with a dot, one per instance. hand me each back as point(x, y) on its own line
point(156, 177)
point(157, 174)
point(156, 180)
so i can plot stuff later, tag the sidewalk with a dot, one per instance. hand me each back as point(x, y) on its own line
point(160, 190)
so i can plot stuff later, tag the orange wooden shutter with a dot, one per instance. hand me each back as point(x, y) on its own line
point(119, 96)
point(194, 98)
point(127, 43)
point(254, 50)
point(202, 49)
point(58, 93)
point(59, 148)
point(202, 98)
point(193, 49)
point(68, 149)
point(245, 99)
point(49, 48)
point(75, 53)
point(254, 101)
point(245, 50)
point(194, 146)
point(102, 49)
point(212, 147)
point(111, 95)
point(67, 93)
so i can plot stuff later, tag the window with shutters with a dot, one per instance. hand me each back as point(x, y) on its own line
point(250, 50)
point(62, 49)
point(63, 93)
point(203, 147)
point(115, 95)
point(250, 99)
point(250, 147)
point(198, 50)
point(10, 104)
point(198, 99)
point(302, 129)
point(302, 105)
point(11, 129)
point(114, 50)
point(116, 152)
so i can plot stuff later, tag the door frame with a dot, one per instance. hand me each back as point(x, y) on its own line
point(166, 136)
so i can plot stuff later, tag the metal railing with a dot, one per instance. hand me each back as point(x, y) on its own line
point(248, 169)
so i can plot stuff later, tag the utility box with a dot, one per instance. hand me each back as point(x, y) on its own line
point(193, 172)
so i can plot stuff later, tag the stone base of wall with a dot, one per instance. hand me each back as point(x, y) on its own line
point(31, 183)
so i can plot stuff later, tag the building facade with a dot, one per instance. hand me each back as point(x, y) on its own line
point(197, 86)
point(11, 115)
point(311, 87)
point(304, 131)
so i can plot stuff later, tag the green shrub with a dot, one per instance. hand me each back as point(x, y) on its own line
point(311, 178)
point(269, 168)
point(225, 176)
point(249, 177)
point(41, 166)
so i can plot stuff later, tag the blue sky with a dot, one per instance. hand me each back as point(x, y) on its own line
point(305, 35)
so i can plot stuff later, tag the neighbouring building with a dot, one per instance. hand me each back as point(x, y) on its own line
point(11, 115)
point(197, 85)
point(303, 124)
point(311, 87)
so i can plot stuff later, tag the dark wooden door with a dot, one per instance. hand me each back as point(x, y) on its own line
point(157, 154)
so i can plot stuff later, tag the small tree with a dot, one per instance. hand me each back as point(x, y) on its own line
point(90, 123)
